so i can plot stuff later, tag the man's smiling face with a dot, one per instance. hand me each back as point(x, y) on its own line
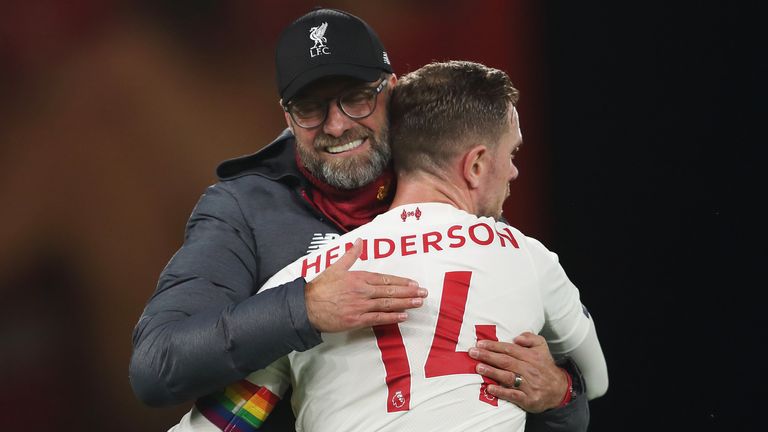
point(344, 152)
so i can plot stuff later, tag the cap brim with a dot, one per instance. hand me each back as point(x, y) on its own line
point(322, 71)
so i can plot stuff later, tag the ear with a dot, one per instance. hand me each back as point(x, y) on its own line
point(475, 165)
point(288, 120)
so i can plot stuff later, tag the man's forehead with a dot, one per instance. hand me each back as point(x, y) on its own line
point(515, 123)
point(513, 115)
point(328, 86)
point(514, 118)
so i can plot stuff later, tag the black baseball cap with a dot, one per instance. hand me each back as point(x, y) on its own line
point(327, 42)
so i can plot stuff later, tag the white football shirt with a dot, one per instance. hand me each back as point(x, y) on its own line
point(486, 280)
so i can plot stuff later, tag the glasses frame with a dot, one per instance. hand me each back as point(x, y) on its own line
point(376, 90)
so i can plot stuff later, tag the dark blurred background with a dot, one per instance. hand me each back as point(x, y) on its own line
point(643, 168)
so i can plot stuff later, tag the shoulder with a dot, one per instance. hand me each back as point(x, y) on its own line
point(527, 242)
point(274, 161)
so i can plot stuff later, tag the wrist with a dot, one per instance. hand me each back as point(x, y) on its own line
point(568, 396)
point(312, 318)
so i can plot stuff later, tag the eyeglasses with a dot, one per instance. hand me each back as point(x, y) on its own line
point(357, 103)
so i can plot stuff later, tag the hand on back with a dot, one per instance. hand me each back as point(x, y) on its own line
point(340, 299)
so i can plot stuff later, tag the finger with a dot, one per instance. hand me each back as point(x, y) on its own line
point(371, 319)
point(387, 279)
point(530, 340)
point(505, 348)
point(350, 256)
point(398, 291)
point(517, 397)
point(395, 304)
point(501, 376)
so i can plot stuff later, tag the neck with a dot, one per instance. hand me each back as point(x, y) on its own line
point(427, 187)
point(349, 209)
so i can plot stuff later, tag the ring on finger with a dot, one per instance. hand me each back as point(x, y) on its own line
point(518, 381)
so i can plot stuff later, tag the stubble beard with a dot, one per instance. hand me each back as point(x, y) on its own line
point(495, 210)
point(349, 172)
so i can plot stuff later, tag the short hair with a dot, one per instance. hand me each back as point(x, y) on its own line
point(439, 110)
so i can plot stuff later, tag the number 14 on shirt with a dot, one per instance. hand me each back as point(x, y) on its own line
point(443, 359)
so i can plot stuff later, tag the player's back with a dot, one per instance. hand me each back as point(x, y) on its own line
point(417, 376)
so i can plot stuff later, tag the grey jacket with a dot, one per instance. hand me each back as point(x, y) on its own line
point(203, 328)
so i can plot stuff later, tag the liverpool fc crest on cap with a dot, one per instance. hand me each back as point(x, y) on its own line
point(317, 34)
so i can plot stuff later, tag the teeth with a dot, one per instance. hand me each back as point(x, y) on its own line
point(346, 147)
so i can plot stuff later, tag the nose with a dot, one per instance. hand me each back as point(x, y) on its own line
point(336, 123)
point(513, 173)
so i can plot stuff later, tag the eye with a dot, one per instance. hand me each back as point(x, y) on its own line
point(307, 107)
point(358, 103)
point(357, 97)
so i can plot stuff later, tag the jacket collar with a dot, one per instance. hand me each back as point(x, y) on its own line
point(275, 161)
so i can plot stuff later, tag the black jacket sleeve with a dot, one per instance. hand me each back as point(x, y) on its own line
point(204, 327)
point(573, 417)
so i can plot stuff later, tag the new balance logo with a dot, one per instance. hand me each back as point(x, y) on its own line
point(319, 240)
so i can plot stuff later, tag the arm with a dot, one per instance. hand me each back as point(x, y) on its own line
point(570, 332)
point(203, 328)
point(588, 359)
point(545, 382)
point(568, 326)
point(243, 405)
